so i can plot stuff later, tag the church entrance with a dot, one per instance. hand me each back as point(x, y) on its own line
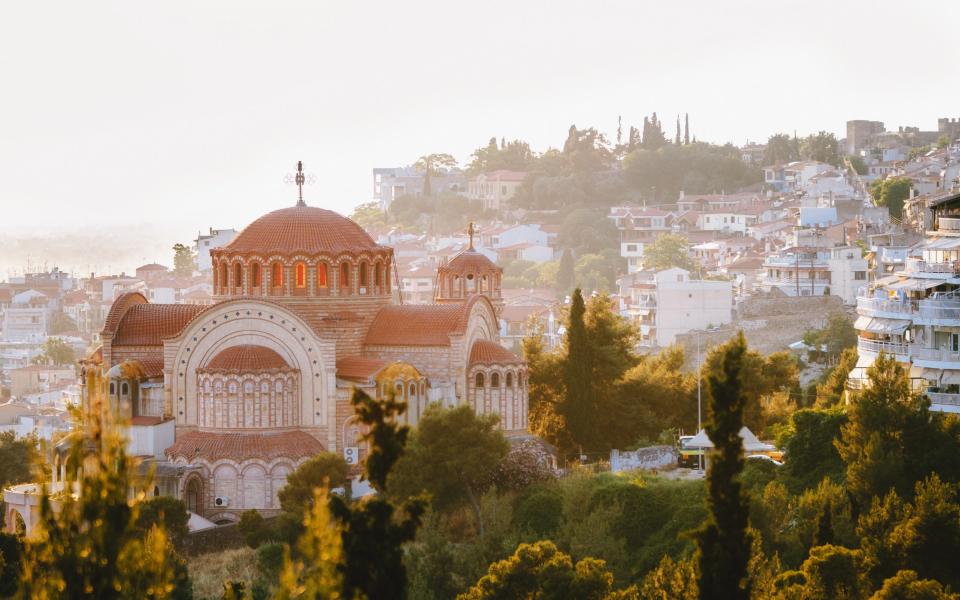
point(194, 496)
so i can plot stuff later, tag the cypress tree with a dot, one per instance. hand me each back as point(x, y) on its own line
point(578, 407)
point(686, 128)
point(566, 275)
point(723, 546)
point(676, 140)
point(824, 533)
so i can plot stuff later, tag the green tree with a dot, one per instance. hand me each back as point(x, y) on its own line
point(822, 147)
point(170, 514)
point(252, 527)
point(579, 404)
point(723, 546)
point(809, 446)
point(55, 351)
point(686, 129)
point(369, 215)
point(512, 156)
point(858, 164)
point(781, 148)
point(943, 141)
point(891, 192)
point(673, 580)
point(430, 165)
point(586, 150)
point(829, 572)
point(566, 276)
point(831, 391)
point(657, 394)
point(183, 260)
point(314, 571)
point(668, 251)
point(60, 324)
point(17, 455)
point(452, 456)
point(907, 585)
point(542, 571)
point(325, 470)
point(375, 529)
point(91, 544)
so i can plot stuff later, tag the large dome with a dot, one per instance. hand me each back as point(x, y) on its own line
point(302, 230)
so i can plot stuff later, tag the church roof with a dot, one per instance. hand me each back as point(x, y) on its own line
point(416, 325)
point(469, 261)
point(485, 352)
point(359, 369)
point(245, 359)
point(213, 446)
point(149, 324)
point(302, 230)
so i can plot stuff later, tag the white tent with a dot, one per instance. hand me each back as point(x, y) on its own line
point(750, 441)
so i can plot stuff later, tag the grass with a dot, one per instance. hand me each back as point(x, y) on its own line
point(209, 571)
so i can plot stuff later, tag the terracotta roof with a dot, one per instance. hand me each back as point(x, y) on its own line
point(241, 446)
point(152, 365)
point(469, 261)
point(517, 313)
point(149, 324)
point(416, 325)
point(485, 352)
point(302, 229)
point(146, 421)
point(357, 368)
point(245, 359)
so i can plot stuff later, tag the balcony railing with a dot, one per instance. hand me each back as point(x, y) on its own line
point(935, 354)
point(918, 265)
point(886, 305)
point(886, 347)
point(940, 309)
point(944, 398)
point(948, 224)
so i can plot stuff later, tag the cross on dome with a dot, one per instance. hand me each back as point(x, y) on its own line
point(470, 231)
point(299, 178)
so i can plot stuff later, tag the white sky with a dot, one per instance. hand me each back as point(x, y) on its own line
point(186, 115)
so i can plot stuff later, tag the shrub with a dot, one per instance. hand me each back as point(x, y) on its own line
point(252, 528)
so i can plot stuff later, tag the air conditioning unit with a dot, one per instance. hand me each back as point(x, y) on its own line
point(221, 501)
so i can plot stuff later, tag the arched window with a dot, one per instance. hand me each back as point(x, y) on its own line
point(471, 283)
point(300, 275)
point(276, 277)
point(223, 277)
point(399, 390)
point(237, 275)
point(255, 275)
point(386, 279)
point(413, 390)
point(509, 379)
point(378, 274)
point(479, 382)
point(156, 491)
point(112, 388)
point(363, 274)
point(124, 388)
point(345, 275)
point(322, 275)
point(495, 380)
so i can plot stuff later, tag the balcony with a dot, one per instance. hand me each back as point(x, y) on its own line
point(944, 398)
point(881, 307)
point(934, 357)
point(918, 265)
point(948, 224)
point(942, 310)
point(898, 350)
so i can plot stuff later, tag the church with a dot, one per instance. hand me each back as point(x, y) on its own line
point(237, 394)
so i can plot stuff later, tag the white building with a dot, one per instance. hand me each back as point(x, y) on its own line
point(728, 221)
point(914, 315)
point(668, 303)
point(816, 271)
point(207, 242)
point(495, 188)
point(639, 226)
point(25, 320)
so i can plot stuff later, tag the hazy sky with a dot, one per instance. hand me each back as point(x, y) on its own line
point(186, 115)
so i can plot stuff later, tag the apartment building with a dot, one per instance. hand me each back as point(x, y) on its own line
point(639, 226)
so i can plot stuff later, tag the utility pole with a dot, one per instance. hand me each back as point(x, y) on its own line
point(699, 411)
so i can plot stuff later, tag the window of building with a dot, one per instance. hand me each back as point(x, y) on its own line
point(345, 275)
point(509, 379)
point(223, 276)
point(363, 274)
point(322, 275)
point(301, 275)
point(237, 275)
point(413, 389)
point(859, 275)
point(112, 388)
point(378, 274)
point(631, 247)
point(479, 381)
point(276, 277)
point(495, 380)
point(255, 274)
point(124, 389)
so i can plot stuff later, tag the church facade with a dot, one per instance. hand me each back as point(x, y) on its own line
point(306, 309)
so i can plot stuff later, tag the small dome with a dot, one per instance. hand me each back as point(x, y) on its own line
point(470, 261)
point(302, 229)
point(246, 359)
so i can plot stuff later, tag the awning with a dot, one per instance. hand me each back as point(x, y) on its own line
point(881, 325)
point(950, 377)
point(914, 284)
point(860, 371)
point(750, 441)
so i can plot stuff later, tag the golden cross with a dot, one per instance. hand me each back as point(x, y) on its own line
point(470, 231)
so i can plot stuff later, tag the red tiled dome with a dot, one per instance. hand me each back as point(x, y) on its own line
point(302, 229)
point(470, 261)
point(245, 359)
point(485, 352)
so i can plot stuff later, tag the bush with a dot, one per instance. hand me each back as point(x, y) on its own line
point(270, 560)
point(540, 511)
point(252, 527)
point(168, 513)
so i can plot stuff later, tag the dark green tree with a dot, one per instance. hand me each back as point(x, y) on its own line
point(55, 351)
point(676, 139)
point(723, 545)
point(822, 147)
point(686, 129)
point(565, 275)
point(579, 405)
point(667, 251)
point(325, 470)
point(168, 513)
point(17, 455)
point(891, 192)
point(183, 260)
point(432, 164)
point(780, 149)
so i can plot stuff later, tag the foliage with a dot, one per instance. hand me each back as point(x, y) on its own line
point(809, 448)
point(60, 324)
point(540, 570)
point(723, 548)
point(697, 168)
point(170, 514)
point(831, 391)
point(316, 572)
point(525, 464)
point(375, 529)
point(891, 192)
point(16, 457)
point(209, 571)
point(512, 156)
point(578, 407)
point(252, 527)
point(326, 469)
point(821, 147)
point(184, 260)
point(441, 212)
point(671, 580)
point(433, 164)
point(92, 542)
point(587, 231)
point(566, 276)
point(11, 563)
point(906, 585)
point(858, 164)
point(668, 251)
point(781, 148)
point(838, 335)
point(452, 456)
point(829, 572)
point(56, 351)
point(369, 215)
point(892, 439)
point(658, 394)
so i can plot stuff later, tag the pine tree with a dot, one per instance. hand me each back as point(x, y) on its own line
point(676, 140)
point(566, 276)
point(723, 546)
point(578, 407)
point(686, 129)
point(619, 130)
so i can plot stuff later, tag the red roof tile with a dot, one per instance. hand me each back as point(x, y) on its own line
point(416, 325)
point(149, 324)
point(302, 229)
point(469, 261)
point(485, 352)
point(245, 359)
point(212, 446)
point(357, 368)
point(152, 365)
